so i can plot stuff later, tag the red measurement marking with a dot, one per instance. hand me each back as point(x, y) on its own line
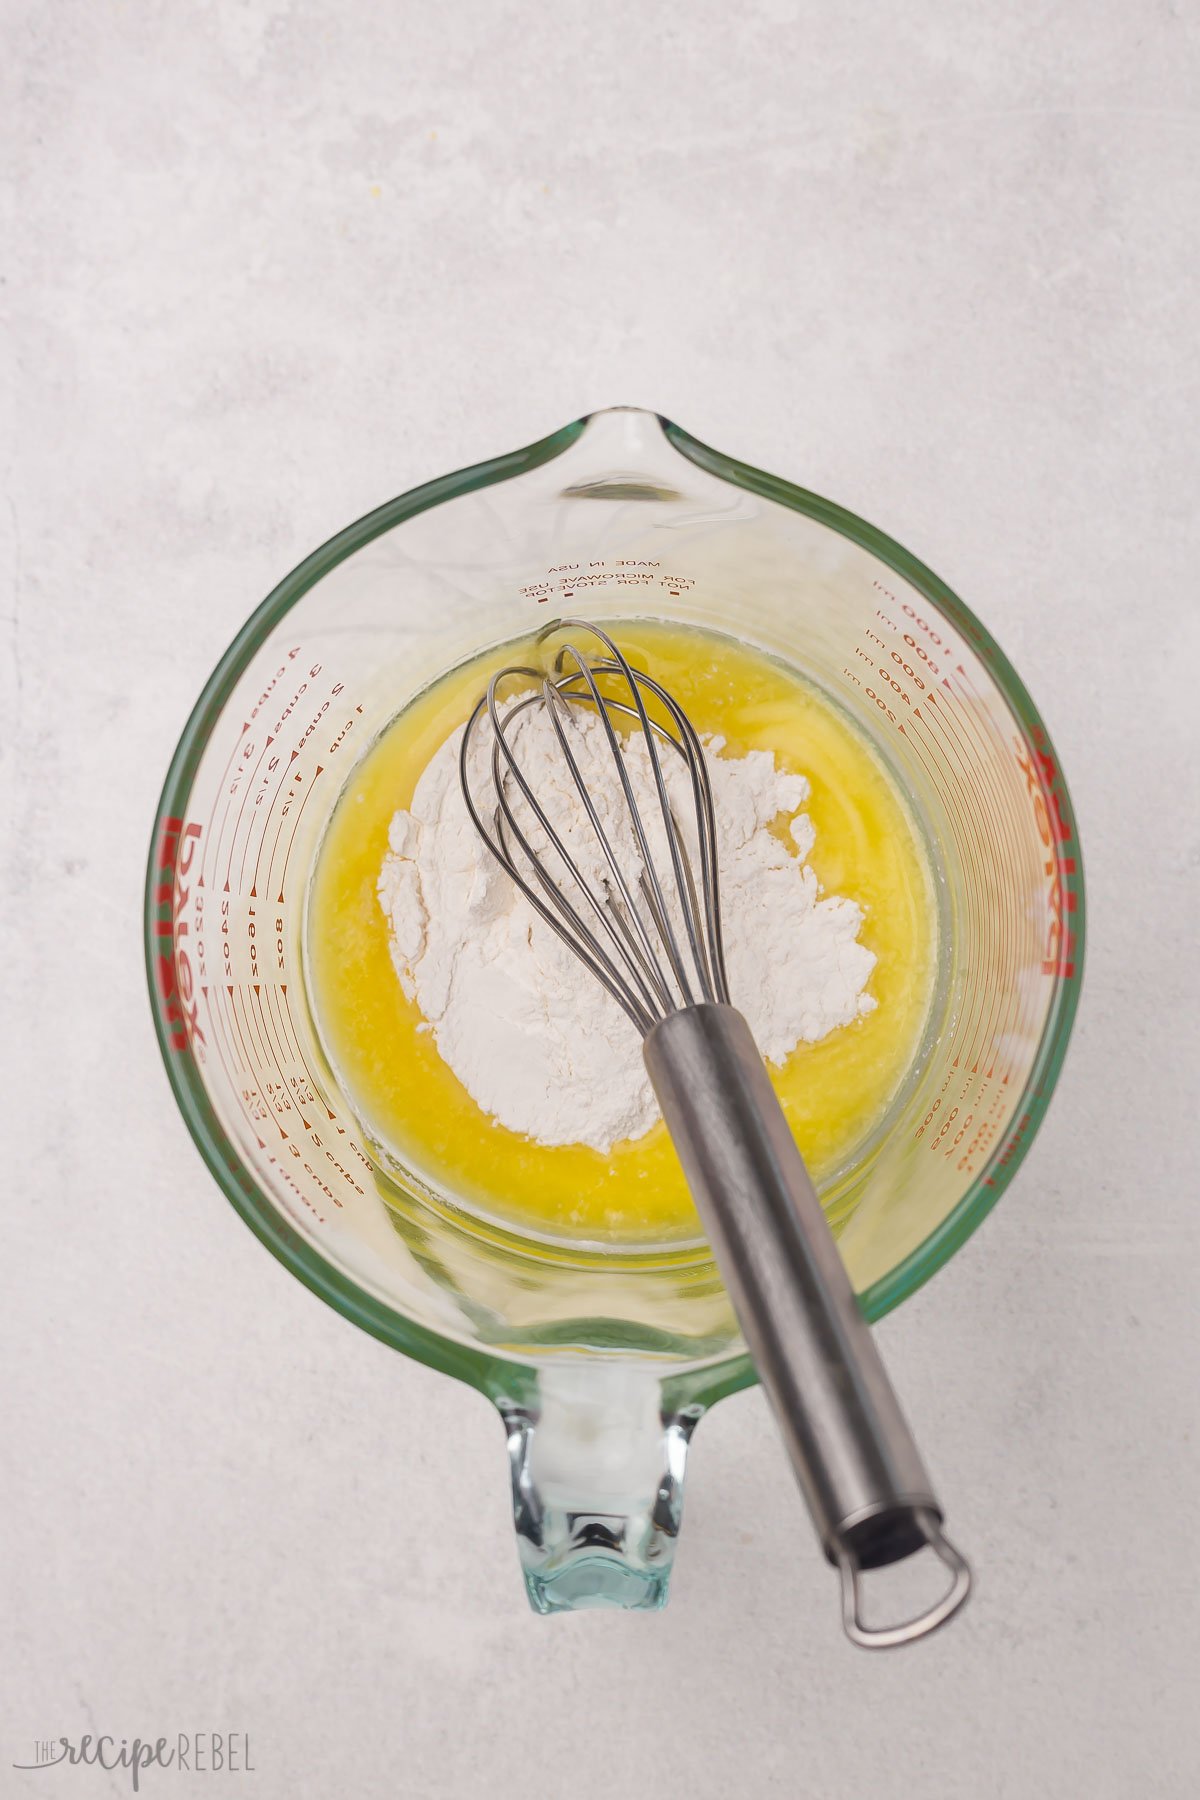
point(983, 1046)
point(936, 771)
point(221, 1036)
point(220, 788)
point(295, 829)
point(1010, 1149)
point(960, 773)
point(254, 1027)
point(285, 1174)
point(988, 783)
point(244, 786)
point(273, 1050)
point(972, 698)
point(1022, 1000)
point(278, 834)
point(253, 1038)
point(250, 787)
point(239, 782)
point(289, 1028)
point(984, 973)
point(961, 1023)
point(280, 1040)
point(953, 794)
point(261, 1062)
point(1022, 853)
point(248, 1062)
point(1018, 1001)
point(283, 780)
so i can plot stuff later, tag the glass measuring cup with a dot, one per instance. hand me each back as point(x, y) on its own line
point(600, 1363)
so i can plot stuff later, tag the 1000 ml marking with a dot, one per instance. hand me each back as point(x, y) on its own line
point(930, 659)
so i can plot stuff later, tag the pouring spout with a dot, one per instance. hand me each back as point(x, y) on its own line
point(597, 1466)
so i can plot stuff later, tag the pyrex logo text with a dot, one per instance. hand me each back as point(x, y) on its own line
point(176, 983)
point(1055, 830)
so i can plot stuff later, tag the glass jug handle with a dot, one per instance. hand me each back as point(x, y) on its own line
point(597, 1464)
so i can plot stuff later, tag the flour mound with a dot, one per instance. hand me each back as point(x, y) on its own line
point(535, 1040)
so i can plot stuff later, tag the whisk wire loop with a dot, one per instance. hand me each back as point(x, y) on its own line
point(608, 918)
point(560, 917)
point(629, 921)
point(625, 930)
point(659, 908)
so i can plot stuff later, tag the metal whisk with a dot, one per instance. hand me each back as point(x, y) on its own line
point(652, 937)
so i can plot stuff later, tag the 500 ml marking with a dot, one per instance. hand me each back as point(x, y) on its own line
point(900, 685)
point(965, 1136)
point(968, 743)
point(910, 669)
point(930, 656)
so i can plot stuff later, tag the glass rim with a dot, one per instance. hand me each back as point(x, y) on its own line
point(487, 1369)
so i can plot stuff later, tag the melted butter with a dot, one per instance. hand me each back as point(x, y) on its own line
point(834, 1093)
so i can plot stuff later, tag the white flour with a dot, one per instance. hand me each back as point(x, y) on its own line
point(531, 1035)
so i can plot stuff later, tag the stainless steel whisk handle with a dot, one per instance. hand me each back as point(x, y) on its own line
point(854, 1456)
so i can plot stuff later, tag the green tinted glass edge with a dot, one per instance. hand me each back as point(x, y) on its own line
point(996, 1174)
point(492, 1374)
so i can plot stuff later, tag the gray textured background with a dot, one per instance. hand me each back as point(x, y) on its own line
point(269, 265)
